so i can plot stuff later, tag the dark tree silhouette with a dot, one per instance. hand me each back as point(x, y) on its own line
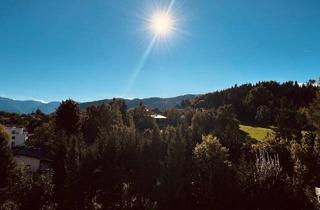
point(68, 117)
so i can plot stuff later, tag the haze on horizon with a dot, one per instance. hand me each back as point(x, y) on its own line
point(89, 50)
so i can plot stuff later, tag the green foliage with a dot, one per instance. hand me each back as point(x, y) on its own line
point(29, 191)
point(211, 154)
point(110, 158)
point(42, 137)
point(173, 117)
point(214, 180)
point(290, 123)
point(263, 115)
point(248, 97)
point(258, 96)
point(104, 117)
point(314, 114)
point(6, 159)
point(220, 122)
point(174, 179)
point(142, 119)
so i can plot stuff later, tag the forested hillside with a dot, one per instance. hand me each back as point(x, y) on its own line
point(112, 157)
point(152, 103)
point(264, 102)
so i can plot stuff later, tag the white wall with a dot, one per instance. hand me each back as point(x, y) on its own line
point(31, 162)
point(18, 136)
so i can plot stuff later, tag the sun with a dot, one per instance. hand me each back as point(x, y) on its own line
point(161, 24)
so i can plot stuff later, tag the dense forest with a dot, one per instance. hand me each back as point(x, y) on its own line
point(111, 157)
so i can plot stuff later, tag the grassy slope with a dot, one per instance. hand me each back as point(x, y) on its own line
point(257, 133)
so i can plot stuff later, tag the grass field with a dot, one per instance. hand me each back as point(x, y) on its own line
point(257, 133)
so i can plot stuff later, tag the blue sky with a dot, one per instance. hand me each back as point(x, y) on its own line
point(90, 49)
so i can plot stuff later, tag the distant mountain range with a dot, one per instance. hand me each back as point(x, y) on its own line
point(28, 106)
point(154, 102)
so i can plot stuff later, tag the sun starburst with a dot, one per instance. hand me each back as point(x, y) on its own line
point(160, 20)
point(161, 24)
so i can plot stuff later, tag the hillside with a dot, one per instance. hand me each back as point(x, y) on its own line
point(154, 102)
point(262, 102)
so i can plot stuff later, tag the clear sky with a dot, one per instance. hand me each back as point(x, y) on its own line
point(96, 49)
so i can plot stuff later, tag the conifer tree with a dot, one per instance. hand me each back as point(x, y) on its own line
point(68, 117)
point(6, 162)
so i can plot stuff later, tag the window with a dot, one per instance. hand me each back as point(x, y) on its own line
point(28, 167)
point(13, 137)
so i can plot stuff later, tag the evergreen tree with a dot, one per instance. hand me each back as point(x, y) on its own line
point(7, 164)
point(263, 115)
point(68, 117)
point(214, 181)
point(314, 114)
point(175, 179)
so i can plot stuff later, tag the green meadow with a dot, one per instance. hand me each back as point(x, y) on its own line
point(257, 133)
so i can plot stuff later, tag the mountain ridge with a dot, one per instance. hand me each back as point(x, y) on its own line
point(29, 106)
point(151, 102)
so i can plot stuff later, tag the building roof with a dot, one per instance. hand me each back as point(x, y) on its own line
point(158, 116)
point(28, 152)
point(13, 126)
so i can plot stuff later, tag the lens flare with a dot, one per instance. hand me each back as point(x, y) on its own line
point(161, 24)
point(160, 19)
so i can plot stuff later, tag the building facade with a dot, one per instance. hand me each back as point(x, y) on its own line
point(18, 136)
point(29, 157)
point(32, 163)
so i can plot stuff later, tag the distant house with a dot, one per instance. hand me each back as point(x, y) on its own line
point(18, 136)
point(160, 119)
point(30, 157)
point(158, 116)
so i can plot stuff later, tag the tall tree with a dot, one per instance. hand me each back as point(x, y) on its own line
point(214, 180)
point(263, 115)
point(314, 113)
point(175, 177)
point(68, 117)
point(6, 160)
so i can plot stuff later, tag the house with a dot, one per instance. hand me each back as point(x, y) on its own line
point(18, 136)
point(30, 157)
point(160, 119)
point(158, 116)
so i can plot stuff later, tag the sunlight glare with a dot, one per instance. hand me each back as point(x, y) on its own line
point(161, 24)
